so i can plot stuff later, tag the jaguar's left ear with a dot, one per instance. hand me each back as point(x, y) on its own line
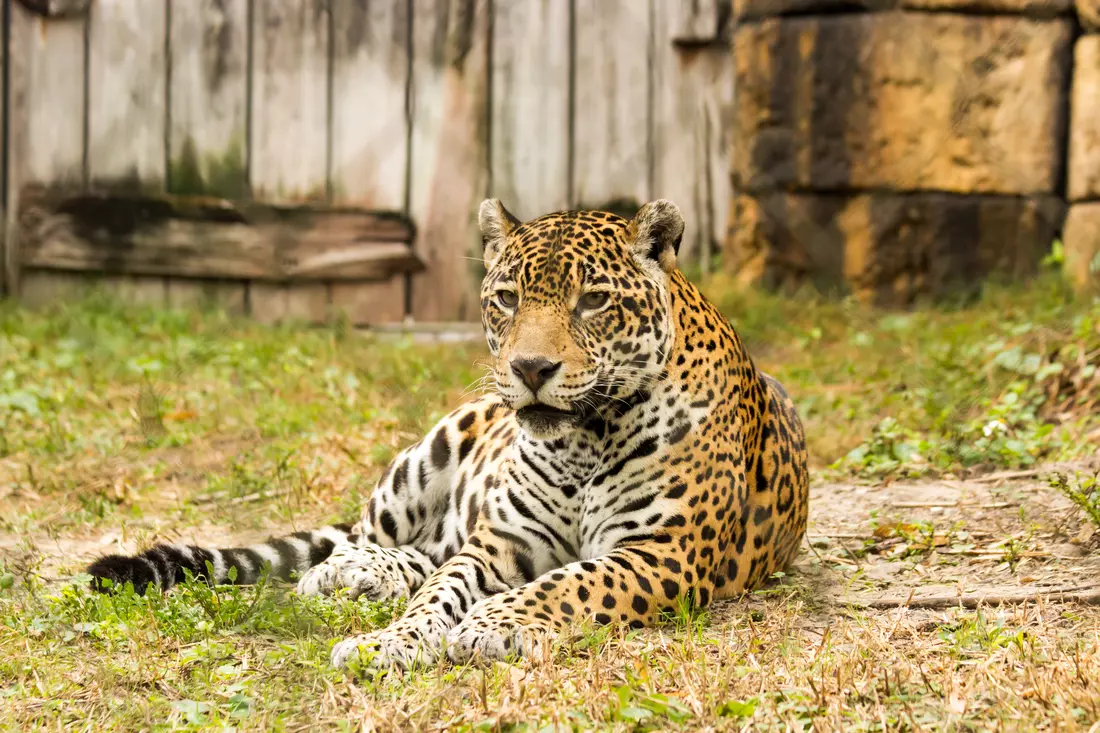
point(656, 230)
point(496, 224)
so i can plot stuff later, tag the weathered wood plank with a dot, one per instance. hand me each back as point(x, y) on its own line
point(127, 72)
point(612, 145)
point(210, 238)
point(5, 228)
point(370, 135)
point(370, 127)
point(43, 288)
point(208, 93)
point(46, 112)
point(288, 148)
point(224, 295)
point(270, 304)
point(449, 154)
point(693, 107)
point(530, 105)
point(47, 102)
point(697, 22)
point(290, 103)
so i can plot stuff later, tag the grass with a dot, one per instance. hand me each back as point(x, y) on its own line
point(1001, 383)
point(1082, 490)
point(122, 423)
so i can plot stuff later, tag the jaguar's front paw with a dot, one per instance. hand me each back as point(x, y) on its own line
point(405, 646)
point(360, 571)
point(489, 640)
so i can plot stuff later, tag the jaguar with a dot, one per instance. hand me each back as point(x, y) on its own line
point(630, 457)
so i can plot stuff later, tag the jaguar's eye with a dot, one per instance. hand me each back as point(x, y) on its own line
point(508, 298)
point(593, 300)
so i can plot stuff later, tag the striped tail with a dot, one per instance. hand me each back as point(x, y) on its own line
point(164, 565)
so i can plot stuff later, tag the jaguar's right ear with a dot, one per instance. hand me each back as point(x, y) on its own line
point(496, 224)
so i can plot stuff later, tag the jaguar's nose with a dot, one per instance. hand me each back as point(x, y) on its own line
point(534, 371)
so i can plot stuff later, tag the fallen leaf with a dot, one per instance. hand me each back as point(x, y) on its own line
point(181, 415)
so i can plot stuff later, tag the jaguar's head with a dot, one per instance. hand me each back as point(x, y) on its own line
point(576, 308)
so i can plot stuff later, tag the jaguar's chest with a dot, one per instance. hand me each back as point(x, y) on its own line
point(611, 482)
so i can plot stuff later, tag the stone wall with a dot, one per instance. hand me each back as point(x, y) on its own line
point(899, 149)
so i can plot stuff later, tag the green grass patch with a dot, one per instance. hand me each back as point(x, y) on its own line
point(145, 422)
point(1004, 381)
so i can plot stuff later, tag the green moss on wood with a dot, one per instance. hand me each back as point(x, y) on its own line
point(212, 175)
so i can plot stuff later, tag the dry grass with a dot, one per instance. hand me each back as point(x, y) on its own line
point(120, 428)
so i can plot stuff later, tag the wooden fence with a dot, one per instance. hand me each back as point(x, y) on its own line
point(305, 158)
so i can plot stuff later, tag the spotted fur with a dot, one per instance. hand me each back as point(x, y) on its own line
point(631, 456)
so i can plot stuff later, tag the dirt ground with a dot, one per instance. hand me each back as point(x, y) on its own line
point(865, 632)
point(919, 544)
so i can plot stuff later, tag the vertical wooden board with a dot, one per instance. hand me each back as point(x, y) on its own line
point(370, 129)
point(369, 303)
point(5, 226)
point(449, 172)
point(127, 73)
point(696, 21)
point(208, 90)
point(719, 94)
point(274, 303)
point(693, 105)
point(225, 295)
point(45, 288)
point(530, 105)
point(46, 106)
point(288, 149)
point(611, 145)
point(142, 290)
point(42, 288)
point(45, 112)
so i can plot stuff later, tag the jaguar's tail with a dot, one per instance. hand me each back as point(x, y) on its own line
point(164, 565)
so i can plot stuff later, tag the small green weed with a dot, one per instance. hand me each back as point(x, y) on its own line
point(1083, 490)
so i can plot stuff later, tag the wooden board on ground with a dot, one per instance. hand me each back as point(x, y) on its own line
point(182, 236)
point(208, 97)
point(370, 133)
point(612, 145)
point(46, 111)
point(290, 103)
point(449, 170)
point(530, 105)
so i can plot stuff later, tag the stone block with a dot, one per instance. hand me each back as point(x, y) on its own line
point(1084, 121)
point(754, 9)
point(1088, 12)
point(888, 249)
point(1081, 247)
point(902, 102)
point(1029, 8)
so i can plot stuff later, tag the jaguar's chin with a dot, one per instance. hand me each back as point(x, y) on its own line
point(547, 422)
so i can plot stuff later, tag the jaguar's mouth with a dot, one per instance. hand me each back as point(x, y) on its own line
point(544, 420)
point(545, 412)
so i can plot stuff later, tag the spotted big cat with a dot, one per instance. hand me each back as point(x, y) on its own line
point(630, 455)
